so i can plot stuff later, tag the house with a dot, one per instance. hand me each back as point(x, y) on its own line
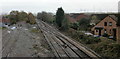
point(4, 22)
point(105, 26)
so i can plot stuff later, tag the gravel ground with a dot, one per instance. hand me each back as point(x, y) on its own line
point(22, 42)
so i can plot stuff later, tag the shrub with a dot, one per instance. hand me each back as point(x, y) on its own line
point(81, 37)
point(90, 40)
point(107, 48)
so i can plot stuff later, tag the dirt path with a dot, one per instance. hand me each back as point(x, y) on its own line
point(22, 42)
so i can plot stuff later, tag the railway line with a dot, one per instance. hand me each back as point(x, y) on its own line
point(61, 45)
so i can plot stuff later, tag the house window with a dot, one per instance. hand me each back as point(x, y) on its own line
point(105, 23)
point(105, 31)
point(110, 23)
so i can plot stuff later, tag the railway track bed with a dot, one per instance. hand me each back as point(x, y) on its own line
point(61, 45)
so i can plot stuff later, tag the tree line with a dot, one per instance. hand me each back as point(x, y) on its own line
point(16, 16)
point(46, 16)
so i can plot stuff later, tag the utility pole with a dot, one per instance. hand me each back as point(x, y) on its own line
point(118, 24)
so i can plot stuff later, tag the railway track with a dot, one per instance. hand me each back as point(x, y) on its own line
point(61, 45)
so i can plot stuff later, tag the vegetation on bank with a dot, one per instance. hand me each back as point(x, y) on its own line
point(101, 45)
point(16, 16)
point(107, 48)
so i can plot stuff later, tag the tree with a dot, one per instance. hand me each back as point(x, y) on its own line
point(22, 16)
point(59, 16)
point(84, 23)
point(39, 16)
point(31, 18)
point(13, 16)
point(16, 16)
point(75, 25)
point(44, 16)
point(65, 24)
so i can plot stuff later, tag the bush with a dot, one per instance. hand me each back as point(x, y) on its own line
point(81, 37)
point(90, 40)
point(107, 48)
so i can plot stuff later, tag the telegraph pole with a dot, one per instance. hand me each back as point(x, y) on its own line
point(118, 24)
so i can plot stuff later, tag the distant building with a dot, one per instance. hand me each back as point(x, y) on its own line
point(71, 19)
point(74, 17)
point(105, 26)
point(4, 21)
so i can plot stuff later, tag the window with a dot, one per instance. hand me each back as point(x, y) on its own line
point(110, 23)
point(105, 23)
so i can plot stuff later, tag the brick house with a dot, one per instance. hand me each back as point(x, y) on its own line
point(107, 25)
point(4, 21)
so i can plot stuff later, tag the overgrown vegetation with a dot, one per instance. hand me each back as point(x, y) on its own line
point(82, 24)
point(83, 38)
point(107, 48)
point(65, 24)
point(16, 16)
point(101, 45)
point(46, 16)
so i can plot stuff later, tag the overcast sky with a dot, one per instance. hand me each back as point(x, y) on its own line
point(69, 6)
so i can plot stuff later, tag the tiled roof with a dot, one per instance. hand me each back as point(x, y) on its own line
point(76, 17)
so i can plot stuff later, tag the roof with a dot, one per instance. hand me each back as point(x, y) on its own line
point(81, 16)
point(72, 20)
point(113, 17)
point(76, 17)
